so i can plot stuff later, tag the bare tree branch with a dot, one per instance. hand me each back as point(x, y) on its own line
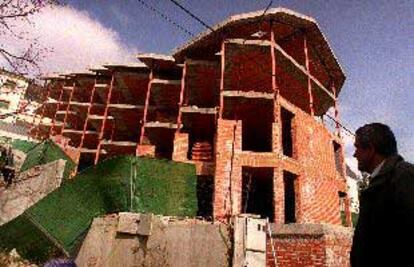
point(13, 12)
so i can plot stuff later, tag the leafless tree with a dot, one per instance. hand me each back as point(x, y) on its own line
point(12, 14)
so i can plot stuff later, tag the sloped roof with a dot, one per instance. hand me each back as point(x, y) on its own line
point(236, 25)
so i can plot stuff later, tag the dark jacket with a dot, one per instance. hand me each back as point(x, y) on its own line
point(384, 234)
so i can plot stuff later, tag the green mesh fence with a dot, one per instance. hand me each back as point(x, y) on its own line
point(30, 241)
point(23, 145)
point(171, 191)
point(62, 219)
point(46, 152)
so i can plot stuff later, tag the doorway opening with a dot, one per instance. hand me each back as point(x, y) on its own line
point(257, 191)
point(290, 180)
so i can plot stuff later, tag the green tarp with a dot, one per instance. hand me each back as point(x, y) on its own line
point(23, 145)
point(42, 153)
point(59, 221)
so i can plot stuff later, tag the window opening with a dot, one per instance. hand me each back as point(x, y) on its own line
point(205, 188)
point(257, 121)
point(257, 191)
point(342, 199)
point(287, 139)
point(338, 156)
point(289, 180)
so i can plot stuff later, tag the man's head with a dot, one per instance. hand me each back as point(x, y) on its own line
point(373, 143)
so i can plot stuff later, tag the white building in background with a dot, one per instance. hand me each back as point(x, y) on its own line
point(16, 112)
point(12, 91)
point(352, 182)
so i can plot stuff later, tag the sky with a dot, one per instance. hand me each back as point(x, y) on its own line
point(373, 41)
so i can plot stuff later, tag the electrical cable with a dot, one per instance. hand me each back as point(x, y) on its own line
point(166, 18)
point(192, 15)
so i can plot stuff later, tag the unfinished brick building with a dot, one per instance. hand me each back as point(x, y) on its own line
point(244, 103)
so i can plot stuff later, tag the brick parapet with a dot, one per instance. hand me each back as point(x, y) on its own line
point(309, 245)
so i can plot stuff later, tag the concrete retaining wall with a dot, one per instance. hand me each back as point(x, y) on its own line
point(163, 241)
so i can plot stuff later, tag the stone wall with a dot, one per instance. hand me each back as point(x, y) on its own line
point(28, 188)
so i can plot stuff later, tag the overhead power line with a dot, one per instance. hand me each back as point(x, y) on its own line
point(202, 21)
point(192, 15)
point(267, 8)
point(166, 18)
point(340, 125)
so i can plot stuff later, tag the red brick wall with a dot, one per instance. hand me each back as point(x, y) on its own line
point(309, 245)
point(279, 196)
point(200, 91)
point(294, 47)
point(318, 179)
point(338, 248)
point(246, 67)
point(317, 184)
point(297, 251)
point(226, 166)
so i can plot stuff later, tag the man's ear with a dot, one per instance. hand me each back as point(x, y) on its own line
point(371, 149)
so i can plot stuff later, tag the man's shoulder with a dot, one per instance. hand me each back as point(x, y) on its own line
point(404, 168)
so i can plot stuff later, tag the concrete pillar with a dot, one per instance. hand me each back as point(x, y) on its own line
point(249, 241)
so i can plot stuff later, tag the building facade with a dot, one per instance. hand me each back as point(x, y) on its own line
point(12, 91)
point(245, 103)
